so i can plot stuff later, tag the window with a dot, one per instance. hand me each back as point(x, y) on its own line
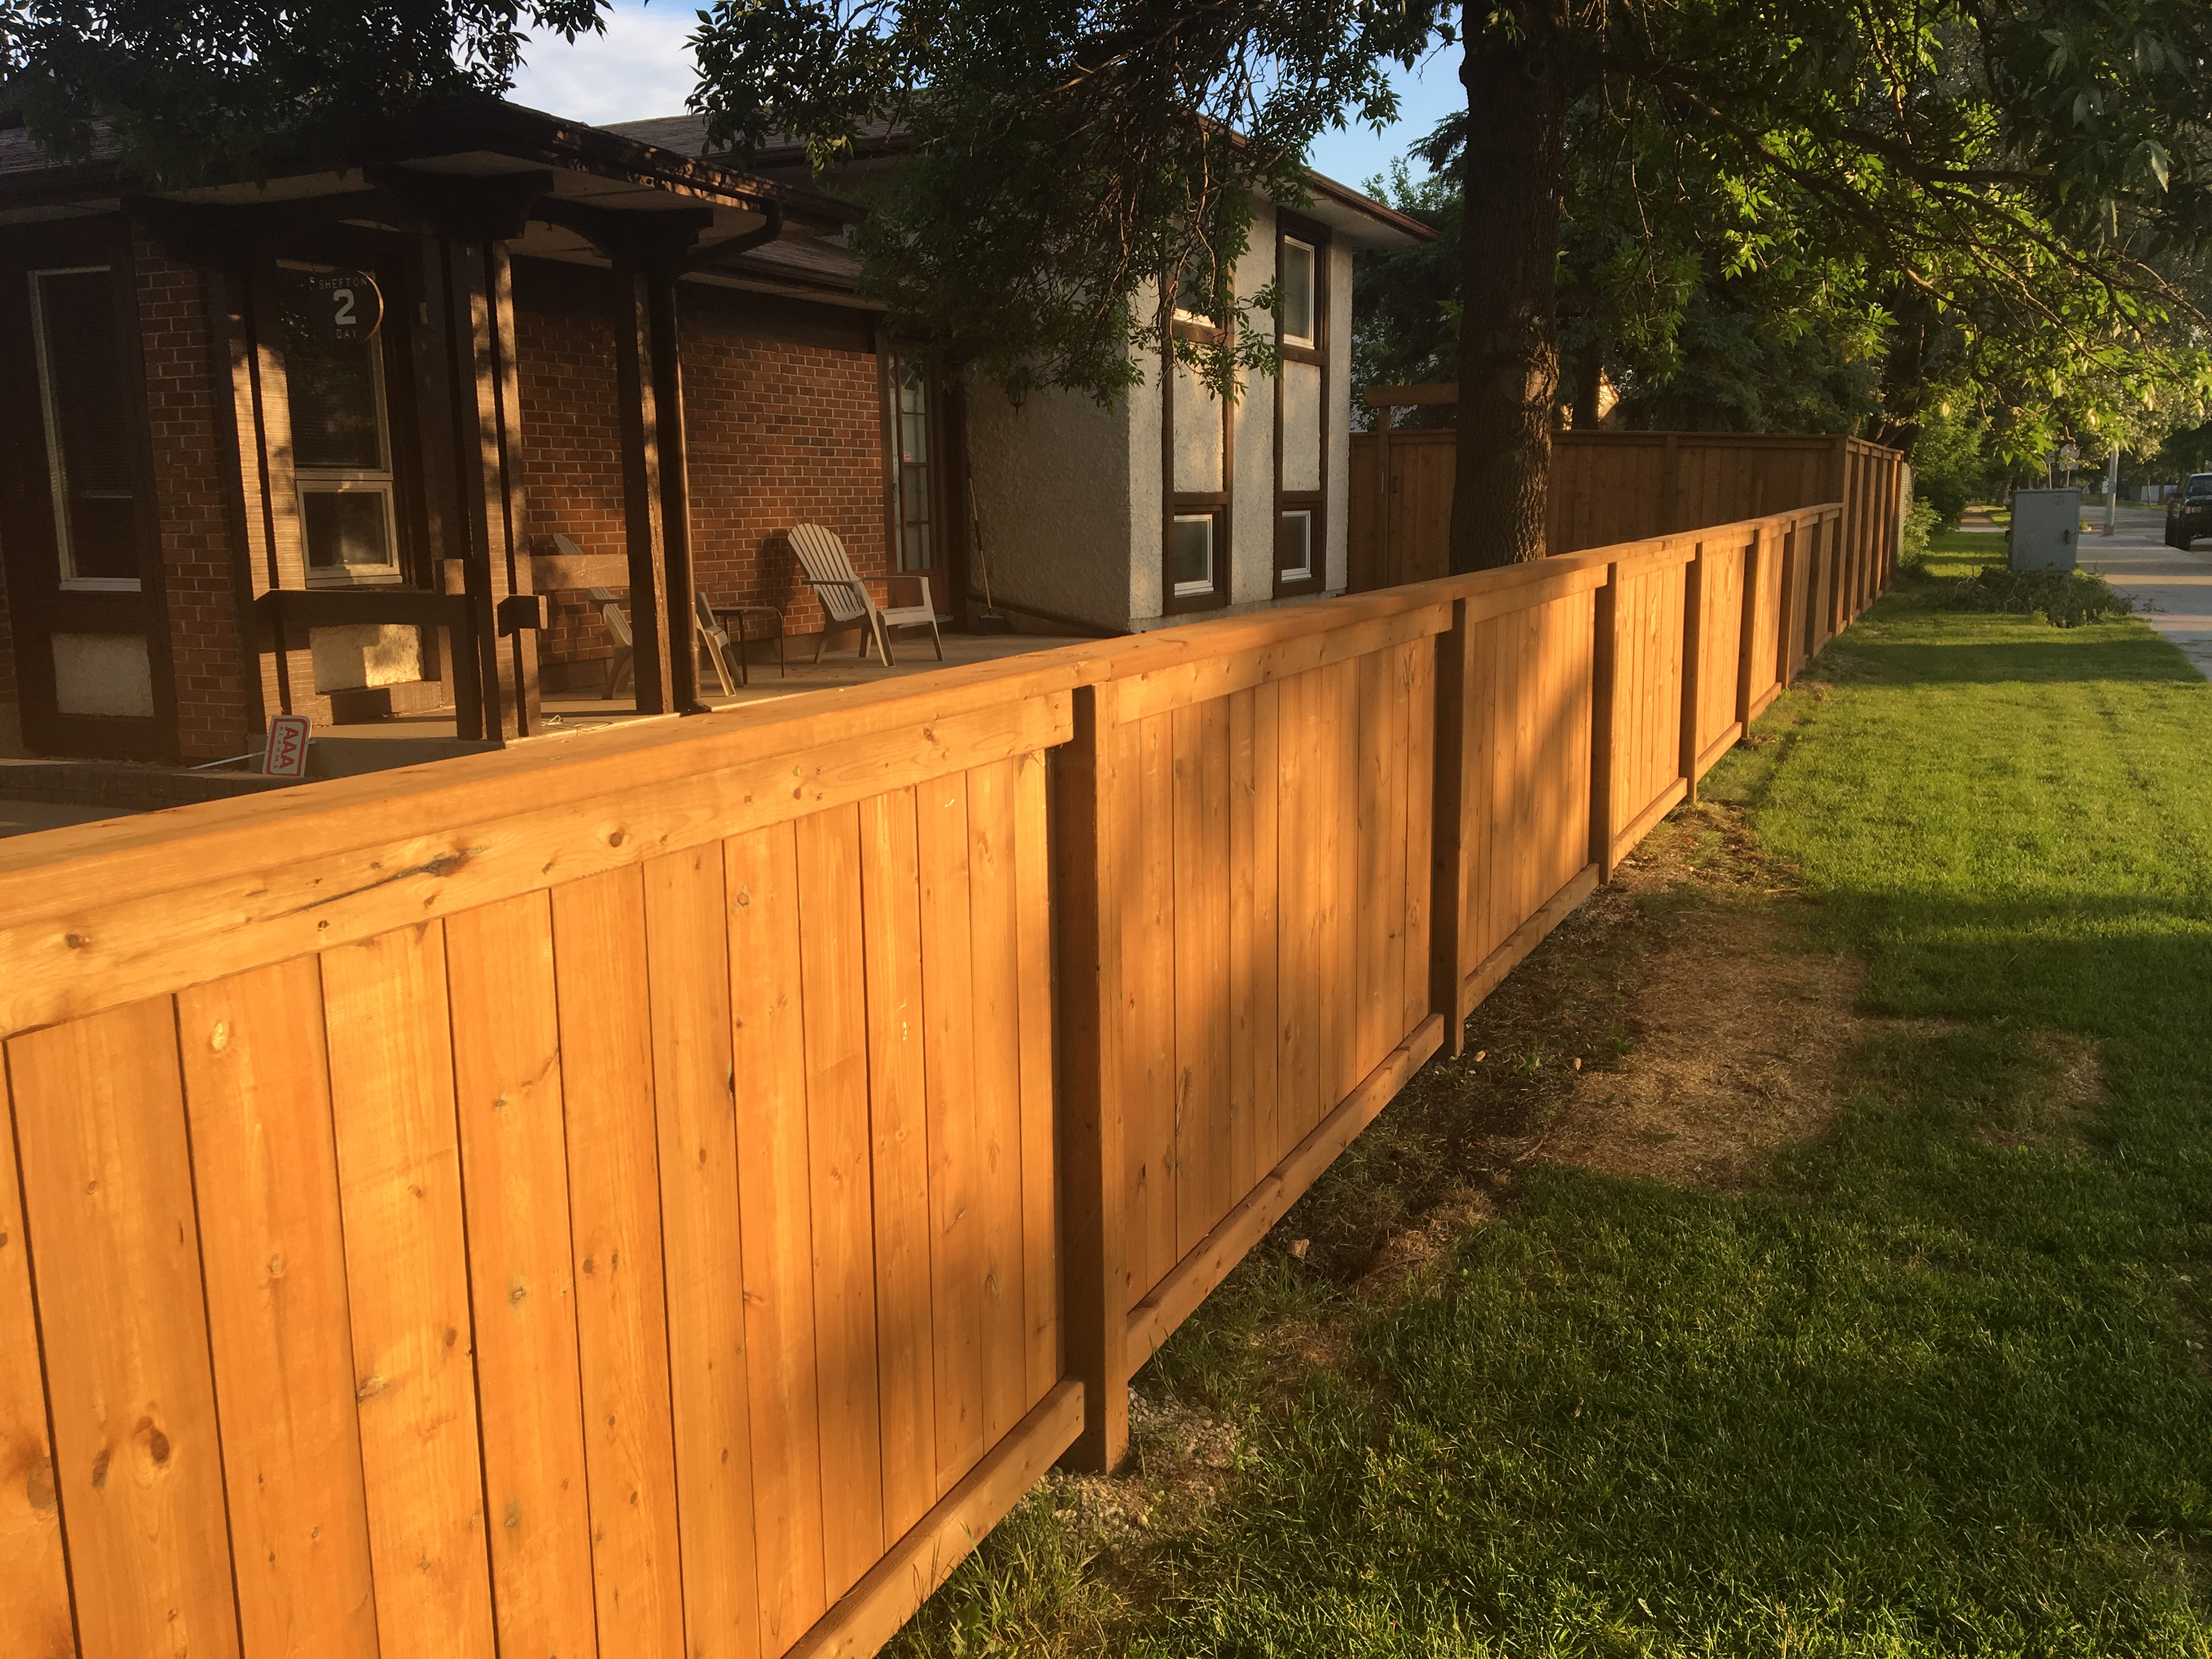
point(341, 446)
point(1295, 276)
point(1294, 545)
point(1302, 386)
point(911, 481)
point(89, 465)
point(1196, 444)
point(1190, 554)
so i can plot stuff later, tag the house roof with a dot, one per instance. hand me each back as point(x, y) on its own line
point(1357, 219)
point(466, 138)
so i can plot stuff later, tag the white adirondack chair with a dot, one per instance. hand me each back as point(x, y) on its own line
point(716, 639)
point(622, 665)
point(845, 598)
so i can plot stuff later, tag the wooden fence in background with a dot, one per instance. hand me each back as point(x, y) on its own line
point(660, 1194)
point(1609, 487)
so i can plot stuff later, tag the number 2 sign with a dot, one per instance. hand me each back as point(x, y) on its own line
point(287, 754)
point(344, 306)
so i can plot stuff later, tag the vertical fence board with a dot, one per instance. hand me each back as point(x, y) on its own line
point(1267, 930)
point(1344, 740)
point(1152, 1079)
point(601, 977)
point(833, 1003)
point(1040, 1179)
point(955, 1136)
point(776, 1213)
point(387, 1030)
point(995, 1007)
point(1217, 1194)
point(1193, 1075)
point(34, 1600)
point(1294, 840)
point(1369, 813)
point(1244, 1164)
point(1419, 774)
point(99, 1113)
point(256, 1086)
point(694, 1087)
point(514, 1173)
point(899, 1127)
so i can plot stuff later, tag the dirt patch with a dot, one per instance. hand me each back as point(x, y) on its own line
point(2062, 1088)
point(1734, 1028)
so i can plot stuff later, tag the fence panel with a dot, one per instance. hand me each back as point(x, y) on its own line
point(664, 1195)
point(1272, 806)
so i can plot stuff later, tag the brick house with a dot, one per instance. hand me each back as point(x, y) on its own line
point(307, 447)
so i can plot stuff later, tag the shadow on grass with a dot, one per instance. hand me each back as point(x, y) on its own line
point(1923, 1392)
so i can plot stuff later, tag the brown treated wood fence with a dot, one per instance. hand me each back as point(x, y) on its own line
point(661, 1195)
point(1611, 487)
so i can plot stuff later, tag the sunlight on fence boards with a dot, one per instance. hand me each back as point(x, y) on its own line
point(661, 1194)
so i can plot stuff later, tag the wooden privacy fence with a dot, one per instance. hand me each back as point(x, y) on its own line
point(663, 1195)
point(1609, 487)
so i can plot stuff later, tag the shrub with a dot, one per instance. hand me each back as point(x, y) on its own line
point(1921, 520)
point(2066, 598)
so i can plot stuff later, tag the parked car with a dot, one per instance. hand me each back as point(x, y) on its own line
point(2189, 515)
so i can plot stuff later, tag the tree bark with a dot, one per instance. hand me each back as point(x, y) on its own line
point(1508, 357)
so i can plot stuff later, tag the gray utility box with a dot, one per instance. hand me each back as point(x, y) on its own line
point(2046, 528)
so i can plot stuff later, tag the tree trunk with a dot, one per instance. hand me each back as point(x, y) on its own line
point(1508, 357)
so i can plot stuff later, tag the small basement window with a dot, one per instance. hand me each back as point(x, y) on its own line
point(341, 447)
point(1190, 554)
point(88, 466)
point(1294, 545)
point(1295, 278)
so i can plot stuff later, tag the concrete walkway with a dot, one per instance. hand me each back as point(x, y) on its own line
point(2177, 586)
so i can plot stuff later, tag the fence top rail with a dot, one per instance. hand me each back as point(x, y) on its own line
point(105, 912)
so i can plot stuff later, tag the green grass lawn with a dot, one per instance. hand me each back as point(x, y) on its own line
point(1935, 1383)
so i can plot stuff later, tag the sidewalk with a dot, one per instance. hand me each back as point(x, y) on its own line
point(2177, 586)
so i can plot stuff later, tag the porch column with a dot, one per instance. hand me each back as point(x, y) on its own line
point(667, 376)
point(471, 220)
point(643, 523)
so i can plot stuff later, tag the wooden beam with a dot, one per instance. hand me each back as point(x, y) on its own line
point(644, 536)
point(1093, 1179)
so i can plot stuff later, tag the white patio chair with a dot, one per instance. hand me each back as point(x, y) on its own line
point(622, 665)
point(716, 639)
point(845, 598)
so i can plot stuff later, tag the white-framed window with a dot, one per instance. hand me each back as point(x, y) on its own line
point(341, 446)
point(88, 466)
point(1294, 541)
point(1190, 554)
point(1295, 280)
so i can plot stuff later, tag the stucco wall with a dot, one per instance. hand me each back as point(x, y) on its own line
point(1053, 498)
point(1252, 486)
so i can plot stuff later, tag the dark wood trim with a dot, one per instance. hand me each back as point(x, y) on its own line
point(1174, 503)
point(644, 537)
point(226, 322)
point(1316, 236)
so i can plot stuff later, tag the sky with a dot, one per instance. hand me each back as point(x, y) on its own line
point(639, 68)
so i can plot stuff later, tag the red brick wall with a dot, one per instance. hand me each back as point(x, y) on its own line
point(195, 553)
point(780, 432)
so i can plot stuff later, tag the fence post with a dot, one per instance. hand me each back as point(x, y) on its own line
point(1094, 1320)
point(1448, 834)
point(1747, 646)
point(1693, 662)
point(1603, 655)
